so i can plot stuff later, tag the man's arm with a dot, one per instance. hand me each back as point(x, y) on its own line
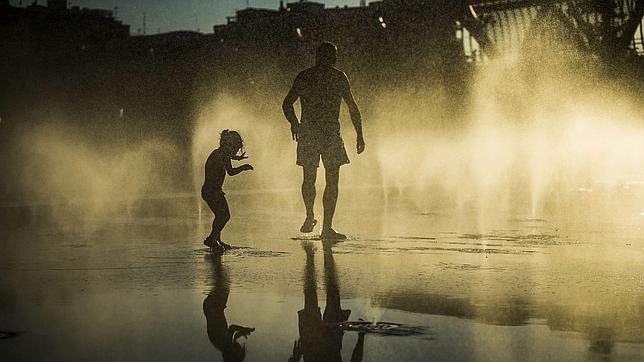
point(356, 117)
point(289, 111)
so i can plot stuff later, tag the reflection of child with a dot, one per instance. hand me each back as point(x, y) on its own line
point(225, 338)
point(217, 165)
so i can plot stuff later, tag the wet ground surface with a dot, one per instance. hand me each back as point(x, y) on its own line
point(503, 287)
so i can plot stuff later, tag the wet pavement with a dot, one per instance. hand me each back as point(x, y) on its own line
point(139, 285)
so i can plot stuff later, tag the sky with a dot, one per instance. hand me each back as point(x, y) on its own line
point(169, 15)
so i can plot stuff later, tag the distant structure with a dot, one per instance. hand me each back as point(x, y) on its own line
point(469, 29)
point(607, 28)
point(56, 30)
point(392, 40)
point(57, 4)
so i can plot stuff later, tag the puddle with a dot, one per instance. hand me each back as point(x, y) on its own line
point(384, 328)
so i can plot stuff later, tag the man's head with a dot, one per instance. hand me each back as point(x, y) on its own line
point(326, 54)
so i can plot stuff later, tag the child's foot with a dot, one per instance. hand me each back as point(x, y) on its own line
point(308, 225)
point(331, 234)
point(209, 242)
point(217, 249)
point(224, 245)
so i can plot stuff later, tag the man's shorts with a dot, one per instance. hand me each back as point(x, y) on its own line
point(321, 139)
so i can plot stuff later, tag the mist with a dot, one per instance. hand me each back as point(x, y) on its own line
point(497, 208)
point(72, 175)
point(534, 130)
point(543, 129)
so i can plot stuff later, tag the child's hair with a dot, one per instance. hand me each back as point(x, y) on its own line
point(231, 140)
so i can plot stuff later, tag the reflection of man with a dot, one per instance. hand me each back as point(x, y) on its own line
point(321, 89)
point(223, 337)
point(320, 335)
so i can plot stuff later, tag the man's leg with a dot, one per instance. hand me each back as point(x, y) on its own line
point(329, 200)
point(333, 312)
point(308, 195)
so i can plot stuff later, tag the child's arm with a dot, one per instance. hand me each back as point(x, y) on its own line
point(232, 171)
point(239, 158)
point(239, 331)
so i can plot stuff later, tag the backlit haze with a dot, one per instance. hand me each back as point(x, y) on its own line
point(499, 210)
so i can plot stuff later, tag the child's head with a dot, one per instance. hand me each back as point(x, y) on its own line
point(231, 142)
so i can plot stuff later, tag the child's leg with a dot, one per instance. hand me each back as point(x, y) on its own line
point(219, 207)
point(212, 238)
point(222, 215)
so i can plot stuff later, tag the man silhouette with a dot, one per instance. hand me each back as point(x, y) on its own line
point(321, 334)
point(321, 89)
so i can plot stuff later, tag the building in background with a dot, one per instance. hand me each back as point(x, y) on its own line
point(56, 31)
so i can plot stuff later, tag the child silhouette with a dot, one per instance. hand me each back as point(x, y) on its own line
point(217, 165)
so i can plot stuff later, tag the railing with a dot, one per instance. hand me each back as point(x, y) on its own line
point(502, 25)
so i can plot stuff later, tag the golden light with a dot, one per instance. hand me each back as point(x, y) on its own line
point(381, 20)
point(473, 12)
